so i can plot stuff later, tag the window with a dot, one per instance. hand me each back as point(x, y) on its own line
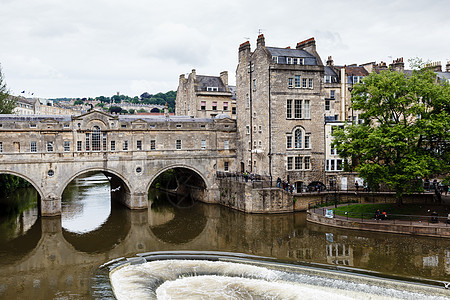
point(247, 129)
point(299, 61)
point(247, 102)
point(123, 126)
point(125, 146)
point(203, 144)
point(113, 145)
point(310, 83)
point(79, 146)
point(88, 141)
point(289, 163)
point(254, 84)
point(304, 82)
point(254, 144)
point(225, 106)
point(32, 125)
point(214, 105)
point(298, 109)
point(298, 138)
point(306, 114)
point(66, 146)
point(152, 144)
point(104, 141)
point(327, 104)
point(339, 165)
point(260, 144)
point(96, 138)
point(307, 163)
point(289, 142)
point(179, 126)
point(226, 145)
point(298, 163)
point(275, 59)
point(233, 110)
point(33, 146)
point(212, 89)
point(50, 147)
point(332, 94)
point(327, 79)
point(203, 105)
point(254, 128)
point(289, 60)
point(1, 146)
point(307, 142)
point(297, 81)
point(289, 109)
point(225, 166)
point(290, 83)
point(178, 145)
point(139, 145)
point(260, 128)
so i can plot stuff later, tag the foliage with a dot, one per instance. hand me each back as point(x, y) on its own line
point(405, 135)
point(78, 102)
point(9, 183)
point(7, 102)
point(115, 109)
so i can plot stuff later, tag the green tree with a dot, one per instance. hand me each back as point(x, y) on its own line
point(7, 102)
point(78, 102)
point(405, 135)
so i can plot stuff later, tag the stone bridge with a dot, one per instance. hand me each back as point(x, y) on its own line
point(132, 151)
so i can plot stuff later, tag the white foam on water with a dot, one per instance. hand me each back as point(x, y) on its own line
point(201, 279)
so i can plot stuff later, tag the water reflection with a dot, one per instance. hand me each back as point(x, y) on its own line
point(86, 203)
point(43, 260)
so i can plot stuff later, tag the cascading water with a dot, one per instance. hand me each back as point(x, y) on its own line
point(222, 277)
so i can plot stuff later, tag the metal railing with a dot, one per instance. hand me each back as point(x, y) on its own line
point(388, 218)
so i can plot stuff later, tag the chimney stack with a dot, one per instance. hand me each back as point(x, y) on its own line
point(447, 67)
point(260, 42)
point(434, 66)
point(309, 45)
point(224, 78)
point(330, 61)
point(398, 65)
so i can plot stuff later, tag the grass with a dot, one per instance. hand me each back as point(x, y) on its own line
point(368, 210)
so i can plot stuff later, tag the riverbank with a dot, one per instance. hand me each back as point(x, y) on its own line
point(319, 216)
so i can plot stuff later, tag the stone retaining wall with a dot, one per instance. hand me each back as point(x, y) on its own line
point(415, 229)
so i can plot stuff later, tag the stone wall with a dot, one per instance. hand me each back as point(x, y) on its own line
point(417, 229)
point(244, 197)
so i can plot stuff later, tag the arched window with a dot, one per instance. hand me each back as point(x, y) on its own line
point(96, 138)
point(298, 137)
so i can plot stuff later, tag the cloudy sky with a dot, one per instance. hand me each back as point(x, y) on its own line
point(89, 48)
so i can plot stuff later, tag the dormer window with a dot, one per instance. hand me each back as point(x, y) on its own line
point(212, 89)
point(289, 60)
point(275, 59)
point(327, 79)
point(299, 61)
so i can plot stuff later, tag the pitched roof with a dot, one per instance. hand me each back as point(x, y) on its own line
point(309, 59)
point(203, 82)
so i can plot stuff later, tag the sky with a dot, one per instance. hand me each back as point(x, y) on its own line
point(90, 48)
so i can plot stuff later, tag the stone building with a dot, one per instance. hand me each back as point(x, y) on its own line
point(205, 96)
point(280, 112)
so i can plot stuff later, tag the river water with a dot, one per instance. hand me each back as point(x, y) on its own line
point(59, 258)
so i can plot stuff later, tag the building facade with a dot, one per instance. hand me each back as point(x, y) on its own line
point(280, 112)
point(203, 96)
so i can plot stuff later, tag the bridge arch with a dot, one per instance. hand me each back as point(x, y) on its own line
point(178, 166)
point(116, 178)
point(27, 178)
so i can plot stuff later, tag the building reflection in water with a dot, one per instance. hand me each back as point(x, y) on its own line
point(46, 261)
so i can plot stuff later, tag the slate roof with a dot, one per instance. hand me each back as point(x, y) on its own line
point(36, 118)
point(356, 71)
point(329, 71)
point(203, 82)
point(282, 53)
point(171, 118)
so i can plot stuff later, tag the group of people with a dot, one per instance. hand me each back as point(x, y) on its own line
point(285, 185)
point(380, 215)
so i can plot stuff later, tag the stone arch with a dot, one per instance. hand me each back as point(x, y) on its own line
point(31, 181)
point(106, 172)
point(174, 166)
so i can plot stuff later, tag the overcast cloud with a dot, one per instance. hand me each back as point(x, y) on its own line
point(89, 48)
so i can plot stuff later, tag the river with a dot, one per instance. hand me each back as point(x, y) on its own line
point(59, 258)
